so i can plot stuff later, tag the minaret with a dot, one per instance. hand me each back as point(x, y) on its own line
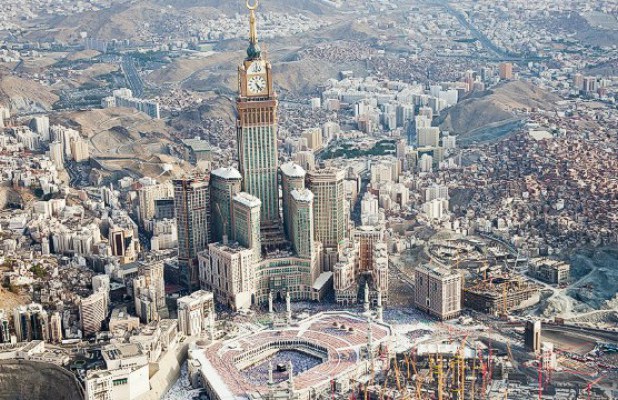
point(271, 310)
point(366, 300)
point(270, 374)
point(370, 343)
point(211, 327)
point(379, 309)
point(288, 308)
point(291, 379)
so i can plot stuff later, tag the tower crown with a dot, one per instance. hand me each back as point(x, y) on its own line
point(253, 51)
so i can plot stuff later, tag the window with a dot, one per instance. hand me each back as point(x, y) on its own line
point(118, 382)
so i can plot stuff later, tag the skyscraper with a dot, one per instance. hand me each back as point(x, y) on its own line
point(367, 237)
point(31, 323)
point(92, 312)
point(228, 270)
point(224, 184)
point(257, 130)
point(149, 292)
point(192, 209)
point(246, 219)
point(148, 194)
point(437, 291)
point(55, 328)
point(301, 215)
point(506, 71)
point(292, 177)
point(328, 205)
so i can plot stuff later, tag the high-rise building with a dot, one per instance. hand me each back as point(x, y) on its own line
point(367, 237)
point(149, 292)
point(92, 312)
point(79, 149)
point(370, 210)
point(124, 243)
point(437, 291)
point(5, 331)
point(506, 71)
point(532, 336)
point(306, 160)
point(292, 177)
point(257, 130)
point(228, 270)
point(150, 192)
point(436, 209)
point(246, 220)
point(330, 130)
point(31, 323)
point(164, 208)
point(428, 136)
point(192, 210)
point(40, 125)
point(314, 138)
point(56, 154)
point(224, 184)
point(55, 328)
point(578, 81)
point(328, 205)
point(196, 313)
point(425, 163)
point(301, 225)
point(436, 191)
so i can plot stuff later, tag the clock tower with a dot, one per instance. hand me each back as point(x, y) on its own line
point(257, 129)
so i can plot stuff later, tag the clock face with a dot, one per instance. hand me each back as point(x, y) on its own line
point(256, 84)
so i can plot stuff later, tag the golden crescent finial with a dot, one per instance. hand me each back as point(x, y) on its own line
point(254, 6)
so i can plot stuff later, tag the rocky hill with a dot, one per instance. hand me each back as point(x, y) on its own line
point(139, 19)
point(25, 95)
point(28, 380)
point(495, 110)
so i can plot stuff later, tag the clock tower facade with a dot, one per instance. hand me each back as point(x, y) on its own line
point(257, 130)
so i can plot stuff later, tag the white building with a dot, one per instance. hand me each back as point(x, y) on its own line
point(196, 313)
point(126, 376)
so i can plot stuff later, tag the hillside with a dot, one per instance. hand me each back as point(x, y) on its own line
point(494, 109)
point(26, 96)
point(139, 20)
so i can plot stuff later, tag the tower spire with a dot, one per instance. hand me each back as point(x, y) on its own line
point(253, 52)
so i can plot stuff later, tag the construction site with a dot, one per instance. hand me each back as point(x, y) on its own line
point(500, 295)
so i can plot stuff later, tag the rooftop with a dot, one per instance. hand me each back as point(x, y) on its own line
point(247, 200)
point(302, 195)
point(293, 170)
point(227, 173)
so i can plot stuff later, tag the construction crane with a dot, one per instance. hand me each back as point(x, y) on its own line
point(418, 383)
point(436, 366)
point(510, 353)
point(540, 371)
point(592, 383)
point(440, 371)
point(461, 368)
point(475, 366)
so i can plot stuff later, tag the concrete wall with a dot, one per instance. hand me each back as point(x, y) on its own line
point(168, 371)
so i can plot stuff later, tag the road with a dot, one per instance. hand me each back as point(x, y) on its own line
point(499, 53)
point(132, 76)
